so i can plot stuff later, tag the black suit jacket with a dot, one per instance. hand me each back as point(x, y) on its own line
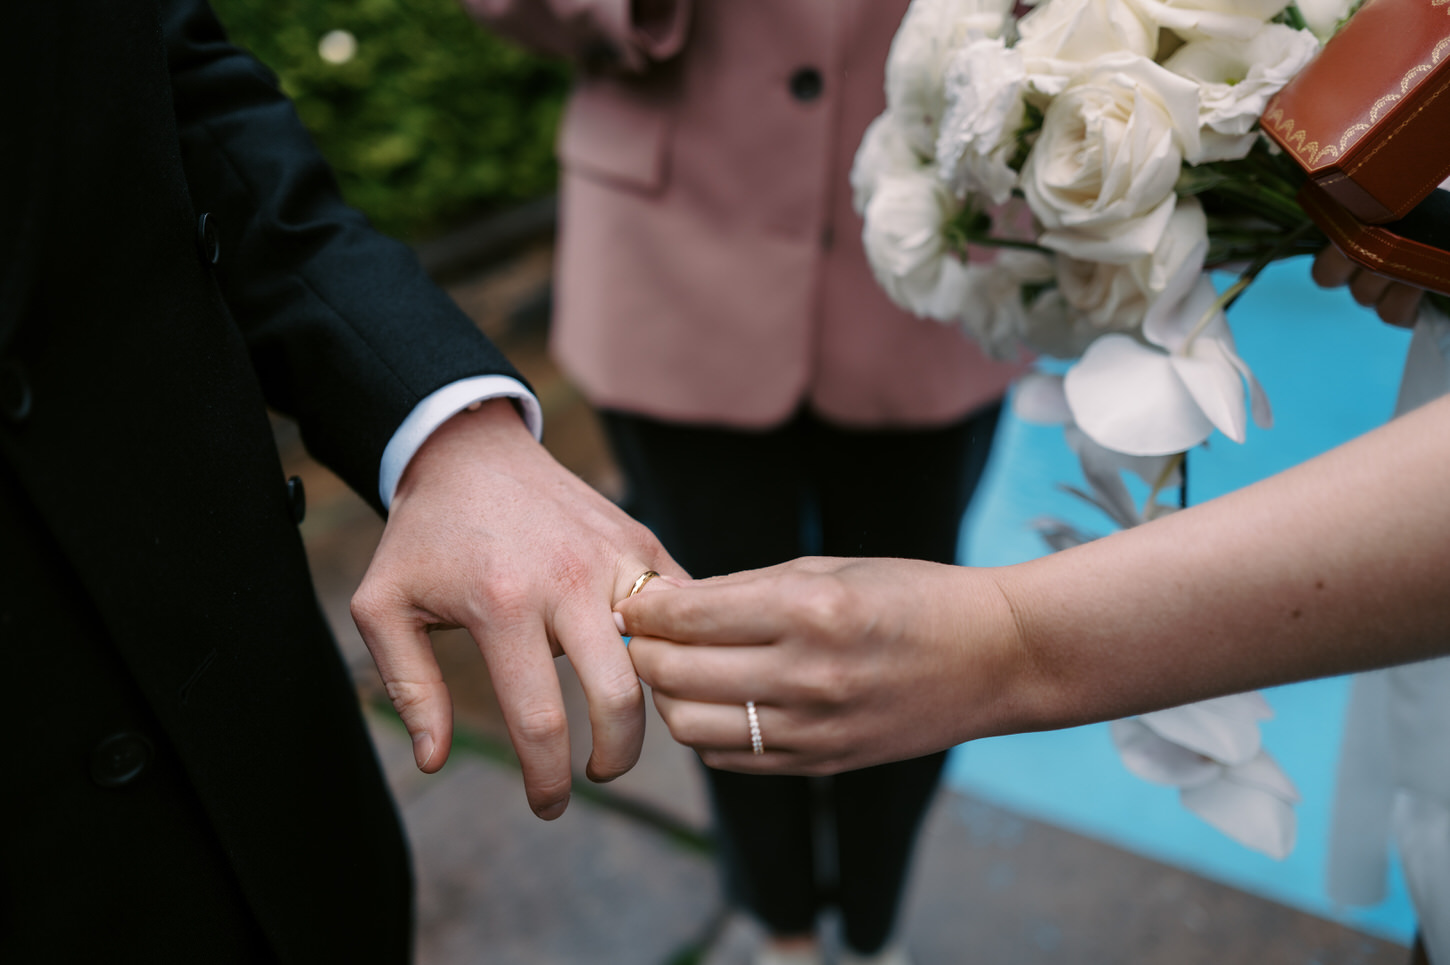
point(191, 780)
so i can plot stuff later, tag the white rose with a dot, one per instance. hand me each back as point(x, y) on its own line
point(1236, 80)
point(984, 110)
point(994, 309)
point(883, 152)
point(1103, 297)
point(1057, 38)
point(1100, 177)
point(1323, 16)
point(1194, 19)
point(930, 31)
point(906, 245)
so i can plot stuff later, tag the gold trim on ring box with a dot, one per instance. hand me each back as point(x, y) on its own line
point(1298, 139)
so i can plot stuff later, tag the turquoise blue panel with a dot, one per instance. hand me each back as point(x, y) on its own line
point(1331, 370)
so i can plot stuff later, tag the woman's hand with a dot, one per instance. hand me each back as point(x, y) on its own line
point(849, 662)
point(1396, 302)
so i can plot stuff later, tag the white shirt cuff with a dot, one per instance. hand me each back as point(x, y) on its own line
point(443, 405)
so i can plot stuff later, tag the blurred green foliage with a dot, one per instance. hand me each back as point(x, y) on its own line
point(431, 122)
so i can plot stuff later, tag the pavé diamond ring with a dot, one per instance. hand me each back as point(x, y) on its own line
point(757, 746)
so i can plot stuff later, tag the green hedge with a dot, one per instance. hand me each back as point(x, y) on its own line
point(432, 122)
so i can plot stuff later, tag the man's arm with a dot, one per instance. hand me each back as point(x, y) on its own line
point(348, 336)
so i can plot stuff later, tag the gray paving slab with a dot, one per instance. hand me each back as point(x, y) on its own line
point(993, 887)
point(496, 885)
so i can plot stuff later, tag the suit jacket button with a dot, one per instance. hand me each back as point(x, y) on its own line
point(119, 759)
point(15, 396)
point(806, 84)
point(297, 499)
point(208, 244)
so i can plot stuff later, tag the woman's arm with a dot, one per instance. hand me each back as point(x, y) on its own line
point(1337, 565)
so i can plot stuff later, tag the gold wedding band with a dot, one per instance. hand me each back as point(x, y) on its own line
point(644, 578)
point(757, 745)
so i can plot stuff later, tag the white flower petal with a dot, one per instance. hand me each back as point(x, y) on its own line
point(1188, 297)
point(930, 31)
point(1215, 384)
point(1059, 37)
point(1259, 406)
point(905, 244)
point(1203, 730)
point(1323, 16)
point(1236, 19)
point(952, 293)
point(1264, 773)
point(1117, 242)
point(1038, 397)
point(1249, 705)
point(1236, 79)
point(1152, 758)
point(1102, 468)
point(884, 152)
point(984, 84)
point(1059, 535)
point(1128, 397)
point(1214, 146)
point(1101, 174)
point(1252, 817)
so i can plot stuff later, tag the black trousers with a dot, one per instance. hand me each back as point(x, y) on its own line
point(725, 500)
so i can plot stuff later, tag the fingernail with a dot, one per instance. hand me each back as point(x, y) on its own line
point(619, 622)
point(423, 748)
point(553, 810)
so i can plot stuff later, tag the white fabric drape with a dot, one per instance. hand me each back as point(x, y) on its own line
point(1394, 771)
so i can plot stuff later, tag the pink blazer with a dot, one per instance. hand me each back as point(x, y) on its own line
point(710, 267)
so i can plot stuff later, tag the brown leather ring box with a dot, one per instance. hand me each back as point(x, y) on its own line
point(1368, 121)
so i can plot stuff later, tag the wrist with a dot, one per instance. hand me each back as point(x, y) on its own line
point(1028, 694)
point(484, 430)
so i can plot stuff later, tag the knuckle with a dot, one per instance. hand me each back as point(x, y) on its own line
point(506, 597)
point(409, 698)
point(825, 606)
point(367, 606)
point(540, 724)
point(620, 696)
point(825, 686)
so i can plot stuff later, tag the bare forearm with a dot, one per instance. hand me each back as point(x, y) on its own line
point(1337, 565)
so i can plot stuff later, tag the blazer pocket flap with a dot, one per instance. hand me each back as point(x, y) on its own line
point(616, 131)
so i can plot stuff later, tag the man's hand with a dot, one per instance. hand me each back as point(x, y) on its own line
point(487, 532)
point(1396, 302)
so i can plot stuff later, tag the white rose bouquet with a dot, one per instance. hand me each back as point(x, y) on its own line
point(1060, 184)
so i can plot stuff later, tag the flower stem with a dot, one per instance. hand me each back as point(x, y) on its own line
point(1232, 293)
point(1159, 484)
